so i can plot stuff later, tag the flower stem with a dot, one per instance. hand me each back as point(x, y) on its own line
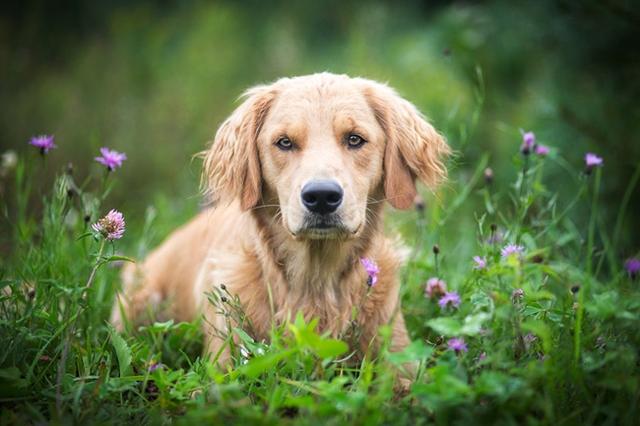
point(587, 282)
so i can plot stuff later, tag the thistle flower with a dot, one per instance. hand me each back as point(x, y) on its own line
point(450, 298)
point(457, 344)
point(541, 150)
point(633, 267)
point(591, 161)
point(111, 227)
point(517, 295)
point(111, 159)
point(480, 263)
point(435, 287)
point(44, 142)
point(528, 143)
point(512, 249)
point(372, 270)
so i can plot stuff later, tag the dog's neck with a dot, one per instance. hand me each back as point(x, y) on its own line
point(317, 275)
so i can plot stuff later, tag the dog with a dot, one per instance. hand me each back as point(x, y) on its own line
point(299, 174)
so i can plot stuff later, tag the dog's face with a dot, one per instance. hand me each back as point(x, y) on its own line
point(321, 148)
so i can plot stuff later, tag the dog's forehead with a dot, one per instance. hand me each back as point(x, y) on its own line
point(312, 100)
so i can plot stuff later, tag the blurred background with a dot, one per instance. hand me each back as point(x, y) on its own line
point(154, 79)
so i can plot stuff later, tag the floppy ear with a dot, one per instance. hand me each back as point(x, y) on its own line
point(231, 165)
point(414, 148)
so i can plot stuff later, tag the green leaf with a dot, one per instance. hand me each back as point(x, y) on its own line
point(473, 323)
point(416, 351)
point(446, 326)
point(259, 365)
point(123, 352)
point(116, 258)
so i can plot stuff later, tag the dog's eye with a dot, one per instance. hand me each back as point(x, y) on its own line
point(284, 144)
point(355, 141)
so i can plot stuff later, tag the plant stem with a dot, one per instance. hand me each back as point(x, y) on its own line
point(587, 282)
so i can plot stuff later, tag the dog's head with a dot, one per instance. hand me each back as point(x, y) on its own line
point(321, 148)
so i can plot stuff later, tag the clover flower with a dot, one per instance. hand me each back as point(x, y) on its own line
point(480, 263)
point(372, 270)
point(591, 161)
point(450, 298)
point(512, 249)
point(457, 344)
point(435, 287)
point(528, 143)
point(633, 267)
point(44, 142)
point(111, 159)
point(111, 227)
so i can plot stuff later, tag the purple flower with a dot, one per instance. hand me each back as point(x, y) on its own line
point(155, 366)
point(111, 227)
point(111, 159)
point(633, 267)
point(457, 344)
point(482, 356)
point(480, 262)
point(435, 287)
point(542, 150)
point(44, 142)
point(372, 270)
point(450, 298)
point(528, 142)
point(592, 160)
point(512, 249)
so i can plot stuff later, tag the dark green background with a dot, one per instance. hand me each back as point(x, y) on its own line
point(154, 79)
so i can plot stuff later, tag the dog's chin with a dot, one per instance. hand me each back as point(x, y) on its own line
point(325, 231)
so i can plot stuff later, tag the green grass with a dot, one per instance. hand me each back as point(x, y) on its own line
point(563, 352)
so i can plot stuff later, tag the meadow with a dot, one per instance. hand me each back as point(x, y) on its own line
point(522, 288)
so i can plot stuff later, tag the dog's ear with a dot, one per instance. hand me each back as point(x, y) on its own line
point(414, 148)
point(231, 165)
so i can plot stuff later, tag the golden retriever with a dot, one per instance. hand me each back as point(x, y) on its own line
point(299, 173)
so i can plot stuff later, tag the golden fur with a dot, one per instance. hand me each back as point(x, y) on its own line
point(255, 241)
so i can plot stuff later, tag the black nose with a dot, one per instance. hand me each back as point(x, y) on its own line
point(322, 196)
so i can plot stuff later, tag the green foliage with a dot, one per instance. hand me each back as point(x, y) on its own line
point(552, 336)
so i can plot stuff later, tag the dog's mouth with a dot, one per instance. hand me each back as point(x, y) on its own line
point(318, 227)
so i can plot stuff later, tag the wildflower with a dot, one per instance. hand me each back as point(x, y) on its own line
point(450, 298)
point(633, 267)
point(457, 344)
point(435, 287)
point(372, 270)
point(517, 295)
point(436, 249)
point(44, 142)
point(592, 160)
point(541, 150)
point(488, 175)
point(512, 249)
point(528, 142)
point(528, 340)
point(482, 356)
point(111, 159)
point(480, 262)
point(155, 366)
point(111, 227)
